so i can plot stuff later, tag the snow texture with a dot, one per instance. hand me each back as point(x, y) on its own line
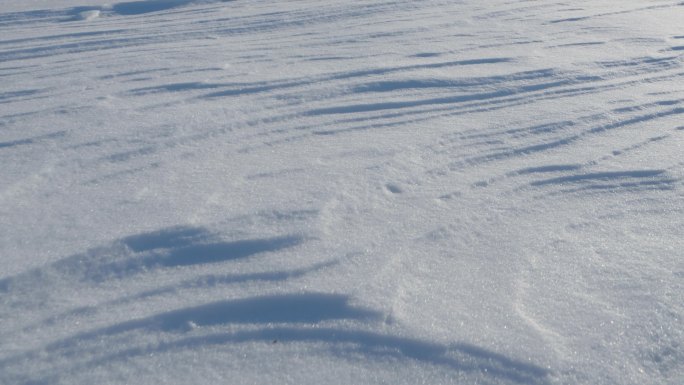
point(323, 192)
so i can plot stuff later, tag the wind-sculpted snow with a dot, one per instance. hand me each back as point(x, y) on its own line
point(307, 192)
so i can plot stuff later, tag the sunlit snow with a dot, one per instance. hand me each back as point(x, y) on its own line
point(331, 192)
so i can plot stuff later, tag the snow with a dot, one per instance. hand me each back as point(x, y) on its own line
point(307, 192)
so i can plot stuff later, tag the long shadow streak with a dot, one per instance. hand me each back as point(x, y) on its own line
point(460, 357)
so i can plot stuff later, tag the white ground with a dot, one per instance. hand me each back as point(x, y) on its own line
point(314, 192)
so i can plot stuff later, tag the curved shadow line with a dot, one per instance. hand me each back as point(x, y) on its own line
point(308, 308)
point(461, 357)
point(175, 247)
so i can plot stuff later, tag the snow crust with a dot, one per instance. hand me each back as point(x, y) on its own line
point(307, 192)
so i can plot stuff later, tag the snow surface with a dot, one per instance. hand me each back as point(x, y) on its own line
point(314, 192)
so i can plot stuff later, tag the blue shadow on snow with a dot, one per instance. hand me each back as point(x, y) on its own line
point(309, 308)
point(172, 247)
point(304, 311)
point(141, 7)
point(149, 6)
point(460, 357)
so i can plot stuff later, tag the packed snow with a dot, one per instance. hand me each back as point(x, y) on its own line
point(325, 192)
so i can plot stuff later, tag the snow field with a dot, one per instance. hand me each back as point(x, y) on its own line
point(316, 192)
